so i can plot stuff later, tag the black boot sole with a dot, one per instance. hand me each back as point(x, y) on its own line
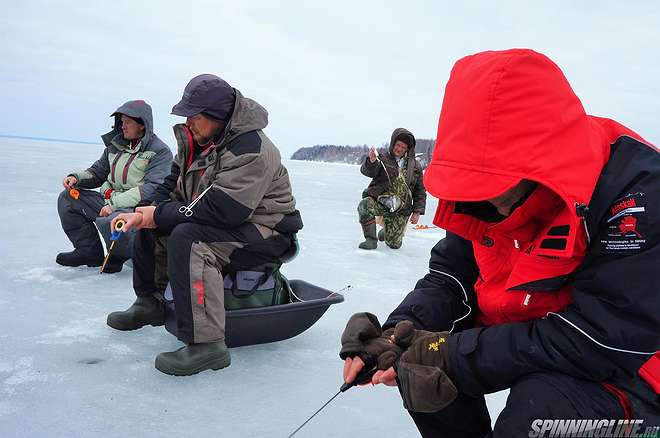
point(130, 329)
point(91, 264)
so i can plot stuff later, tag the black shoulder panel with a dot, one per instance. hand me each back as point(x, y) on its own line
point(630, 162)
point(248, 143)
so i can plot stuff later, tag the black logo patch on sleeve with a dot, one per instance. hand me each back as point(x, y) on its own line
point(626, 225)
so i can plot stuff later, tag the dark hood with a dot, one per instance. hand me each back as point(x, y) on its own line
point(134, 108)
point(248, 116)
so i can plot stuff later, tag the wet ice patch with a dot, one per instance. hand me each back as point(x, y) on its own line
point(373, 253)
point(23, 372)
point(78, 331)
point(57, 275)
point(42, 275)
point(119, 349)
point(141, 365)
point(8, 408)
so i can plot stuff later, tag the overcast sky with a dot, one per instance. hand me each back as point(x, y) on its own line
point(339, 72)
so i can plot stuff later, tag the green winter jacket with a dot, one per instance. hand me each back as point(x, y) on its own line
point(128, 175)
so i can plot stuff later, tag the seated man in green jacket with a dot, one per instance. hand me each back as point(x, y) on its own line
point(135, 161)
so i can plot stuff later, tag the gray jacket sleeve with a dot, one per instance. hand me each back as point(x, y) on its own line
point(158, 169)
point(95, 175)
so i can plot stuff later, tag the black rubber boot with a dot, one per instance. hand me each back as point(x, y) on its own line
point(145, 310)
point(194, 358)
point(381, 235)
point(90, 256)
point(370, 241)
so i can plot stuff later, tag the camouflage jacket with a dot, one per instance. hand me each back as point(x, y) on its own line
point(383, 176)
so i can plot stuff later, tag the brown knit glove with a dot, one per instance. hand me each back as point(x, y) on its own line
point(364, 337)
point(422, 372)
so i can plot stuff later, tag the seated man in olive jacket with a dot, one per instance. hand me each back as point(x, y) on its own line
point(227, 204)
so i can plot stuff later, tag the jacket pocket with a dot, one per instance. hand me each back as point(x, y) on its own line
point(541, 274)
point(469, 341)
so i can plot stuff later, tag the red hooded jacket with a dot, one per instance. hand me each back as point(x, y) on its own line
point(573, 269)
point(508, 116)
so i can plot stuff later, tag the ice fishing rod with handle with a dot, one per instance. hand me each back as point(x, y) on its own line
point(117, 231)
point(364, 376)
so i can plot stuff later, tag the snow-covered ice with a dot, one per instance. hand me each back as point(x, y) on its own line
point(64, 373)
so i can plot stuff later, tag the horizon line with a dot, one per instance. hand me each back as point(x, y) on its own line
point(61, 140)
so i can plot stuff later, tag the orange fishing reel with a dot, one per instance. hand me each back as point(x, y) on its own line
point(423, 227)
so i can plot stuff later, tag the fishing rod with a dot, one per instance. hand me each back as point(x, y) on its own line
point(117, 231)
point(364, 376)
point(347, 287)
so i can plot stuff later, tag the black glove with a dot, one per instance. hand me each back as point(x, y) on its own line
point(423, 371)
point(364, 337)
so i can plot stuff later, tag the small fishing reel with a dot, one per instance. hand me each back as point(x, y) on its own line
point(118, 229)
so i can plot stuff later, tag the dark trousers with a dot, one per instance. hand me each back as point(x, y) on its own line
point(78, 217)
point(536, 396)
point(192, 259)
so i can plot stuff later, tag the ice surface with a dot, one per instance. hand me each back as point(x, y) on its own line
point(64, 373)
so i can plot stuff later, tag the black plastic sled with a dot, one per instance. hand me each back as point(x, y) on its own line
point(271, 323)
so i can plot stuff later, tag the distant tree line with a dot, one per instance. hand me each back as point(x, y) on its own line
point(330, 153)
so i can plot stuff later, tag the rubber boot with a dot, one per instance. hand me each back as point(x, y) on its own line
point(370, 241)
point(381, 235)
point(90, 255)
point(145, 310)
point(194, 358)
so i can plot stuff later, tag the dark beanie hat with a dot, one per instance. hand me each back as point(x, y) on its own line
point(208, 94)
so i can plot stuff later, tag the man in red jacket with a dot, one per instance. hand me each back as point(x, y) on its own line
point(546, 281)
